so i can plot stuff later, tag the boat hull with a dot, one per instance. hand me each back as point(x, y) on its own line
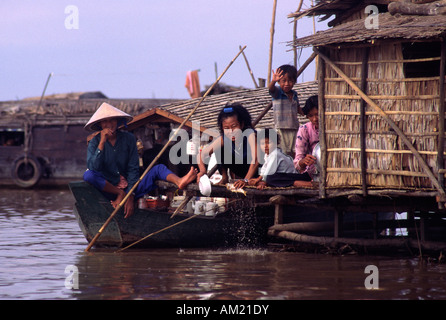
point(228, 229)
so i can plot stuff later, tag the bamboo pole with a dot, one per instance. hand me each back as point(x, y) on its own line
point(169, 227)
point(441, 114)
point(295, 33)
point(363, 121)
point(333, 241)
point(391, 151)
point(368, 113)
point(382, 172)
point(249, 69)
point(159, 155)
point(388, 61)
point(322, 128)
point(271, 40)
point(44, 90)
point(392, 124)
point(384, 97)
point(385, 80)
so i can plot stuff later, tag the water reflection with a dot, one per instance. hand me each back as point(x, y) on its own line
point(39, 238)
point(252, 274)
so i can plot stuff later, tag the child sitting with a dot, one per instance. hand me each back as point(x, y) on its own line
point(278, 169)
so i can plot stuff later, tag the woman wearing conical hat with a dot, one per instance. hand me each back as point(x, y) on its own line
point(113, 163)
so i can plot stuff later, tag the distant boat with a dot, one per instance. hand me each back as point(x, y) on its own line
point(44, 143)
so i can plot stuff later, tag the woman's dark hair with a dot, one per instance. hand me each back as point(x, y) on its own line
point(310, 104)
point(235, 109)
point(270, 134)
point(290, 70)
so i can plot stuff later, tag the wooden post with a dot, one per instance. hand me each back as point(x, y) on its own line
point(322, 140)
point(363, 117)
point(295, 34)
point(441, 118)
point(338, 218)
point(375, 225)
point(278, 214)
point(306, 63)
point(279, 201)
point(271, 40)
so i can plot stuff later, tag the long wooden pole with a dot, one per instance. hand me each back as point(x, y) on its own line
point(322, 140)
point(392, 124)
point(271, 40)
point(295, 34)
point(362, 120)
point(249, 69)
point(169, 227)
point(44, 89)
point(159, 155)
point(441, 114)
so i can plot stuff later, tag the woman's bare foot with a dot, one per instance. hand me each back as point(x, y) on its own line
point(188, 178)
point(115, 203)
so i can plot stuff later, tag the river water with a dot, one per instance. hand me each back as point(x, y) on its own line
point(42, 257)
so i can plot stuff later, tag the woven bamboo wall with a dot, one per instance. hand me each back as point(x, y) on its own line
point(411, 103)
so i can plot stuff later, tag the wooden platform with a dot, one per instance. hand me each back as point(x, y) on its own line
point(344, 217)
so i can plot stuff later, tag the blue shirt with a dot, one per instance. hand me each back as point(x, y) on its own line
point(113, 161)
point(285, 110)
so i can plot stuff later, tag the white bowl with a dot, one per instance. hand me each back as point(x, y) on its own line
point(205, 185)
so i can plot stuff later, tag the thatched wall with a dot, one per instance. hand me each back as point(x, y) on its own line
point(412, 103)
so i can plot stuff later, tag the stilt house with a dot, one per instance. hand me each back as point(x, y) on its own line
point(381, 72)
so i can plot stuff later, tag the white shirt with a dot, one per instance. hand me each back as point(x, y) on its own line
point(278, 162)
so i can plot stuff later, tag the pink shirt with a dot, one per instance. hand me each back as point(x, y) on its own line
point(307, 137)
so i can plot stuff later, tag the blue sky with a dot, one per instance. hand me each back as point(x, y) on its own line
point(140, 48)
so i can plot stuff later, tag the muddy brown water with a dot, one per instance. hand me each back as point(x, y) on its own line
point(42, 257)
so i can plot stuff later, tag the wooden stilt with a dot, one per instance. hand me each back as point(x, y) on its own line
point(362, 124)
point(338, 218)
point(322, 140)
point(441, 118)
point(271, 42)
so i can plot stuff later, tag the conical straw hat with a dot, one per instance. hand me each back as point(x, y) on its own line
point(105, 111)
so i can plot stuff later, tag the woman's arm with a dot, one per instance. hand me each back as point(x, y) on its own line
point(252, 141)
point(206, 153)
point(302, 159)
point(94, 155)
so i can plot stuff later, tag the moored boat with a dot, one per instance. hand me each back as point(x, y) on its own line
point(229, 228)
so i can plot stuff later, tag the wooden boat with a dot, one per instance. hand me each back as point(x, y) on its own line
point(227, 229)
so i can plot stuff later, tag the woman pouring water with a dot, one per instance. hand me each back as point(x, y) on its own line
point(236, 147)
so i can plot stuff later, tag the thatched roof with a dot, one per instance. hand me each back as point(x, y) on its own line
point(340, 9)
point(71, 96)
point(75, 107)
point(402, 27)
point(254, 100)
